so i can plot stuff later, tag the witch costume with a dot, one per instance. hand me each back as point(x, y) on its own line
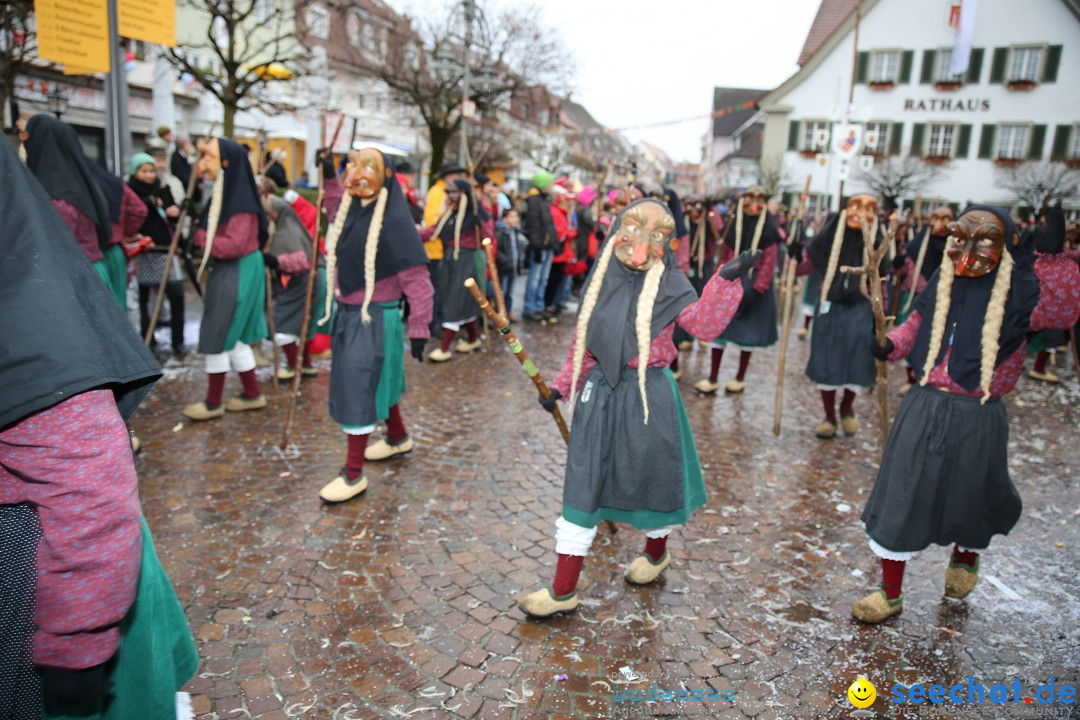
point(631, 456)
point(126, 215)
point(85, 599)
point(288, 254)
point(1050, 260)
point(944, 477)
point(754, 324)
point(231, 231)
point(459, 230)
point(373, 245)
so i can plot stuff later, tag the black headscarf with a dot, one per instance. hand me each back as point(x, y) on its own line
point(770, 234)
point(473, 210)
point(112, 188)
point(326, 163)
point(967, 311)
point(240, 195)
point(675, 206)
point(55, 156)
point(1049, 239)
point(180, 167)
point(845, 287)
point(934, 252)
point(612, 336)
point(54, 305)
point(400, 247)
point(290, 235)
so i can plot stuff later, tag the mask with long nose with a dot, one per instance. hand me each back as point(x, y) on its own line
point(643, 235)
point(365, 174)
point(860, 209)
point(939, 221)
point(976, 242)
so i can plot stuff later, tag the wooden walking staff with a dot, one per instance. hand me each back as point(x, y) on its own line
point(500, 301)
point(273, 330)
point(503, 326)
point(872, 272)
point(173, 244)
point(313, 269)
point(788, 313)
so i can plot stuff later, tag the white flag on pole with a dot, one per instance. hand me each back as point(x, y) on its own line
point(961, 52)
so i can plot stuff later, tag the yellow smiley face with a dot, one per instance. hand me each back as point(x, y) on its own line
point(862, 693)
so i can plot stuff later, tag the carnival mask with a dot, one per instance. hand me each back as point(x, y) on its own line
point(976, 242)
point(939, 221)
point(366, 173)
point(453, 197)
point(209, 165)
point(695, 209)
point(626, 196)
point(643, 234)
point(860, 209)
point(754, 201)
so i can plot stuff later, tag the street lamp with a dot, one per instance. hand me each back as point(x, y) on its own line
point(58, 102)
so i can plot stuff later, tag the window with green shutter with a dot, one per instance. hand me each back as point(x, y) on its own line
point(998, 63)
point(1038, 139)
point(975, 66)
point(907, 59)
point(929, 62)
point(862, 68)
point(1059, 150)
point(963, 141)
point(918, 135)
point(986, 141)
point(1053, 60)
point(896, 135)
point(793, 135)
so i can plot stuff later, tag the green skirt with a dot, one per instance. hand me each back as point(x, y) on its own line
point(249, 318)
point(156, 656)
point(368, 374)
point(113, 271)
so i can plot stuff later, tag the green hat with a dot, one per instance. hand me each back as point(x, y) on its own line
point(542, 179)
point(140, 159)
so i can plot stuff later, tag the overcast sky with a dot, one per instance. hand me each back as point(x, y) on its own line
point(636, 67)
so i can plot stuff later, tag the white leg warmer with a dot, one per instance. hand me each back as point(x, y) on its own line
point(451, 326)
point(364, 430)
point(242, 358)
point(889, 554)
point(217, 363)
point(571, 539)
point(285, 339)
point(657, 533)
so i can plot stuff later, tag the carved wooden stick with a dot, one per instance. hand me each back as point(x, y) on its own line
point(872, 271)
point(500, 301)
point(273, 330)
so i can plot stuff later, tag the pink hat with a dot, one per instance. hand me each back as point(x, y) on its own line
point(586, 195)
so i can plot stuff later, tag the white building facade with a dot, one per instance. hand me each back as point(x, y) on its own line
point(1017, 102)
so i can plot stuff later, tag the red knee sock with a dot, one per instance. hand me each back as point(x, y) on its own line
point(354, 460)
point(714, 369)
point(964, 557)
point(828, 399)
point(1040, 361)
point(847, 404)
point(290, 354)
point(911, 376)
point(447, 338)
point(806, 321)
point(744, 362)
point(674, 364)
point(470, 330)
point(395, 427)
point(307, 354)
point(215, 389)
point(655, 548)
point(892, 577)
point(566, 574)
point(251, 384)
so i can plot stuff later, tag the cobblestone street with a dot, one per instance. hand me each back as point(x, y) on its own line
point(402, 602)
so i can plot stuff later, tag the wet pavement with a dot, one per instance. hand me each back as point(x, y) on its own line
point(401, 602)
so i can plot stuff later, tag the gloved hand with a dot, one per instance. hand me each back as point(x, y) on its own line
point(553, 397)
point(63, 689)
point(881, 352)
point(741, 265)
point(270, 261)
point(899, 262)
point(416, 348)
point(794, 251)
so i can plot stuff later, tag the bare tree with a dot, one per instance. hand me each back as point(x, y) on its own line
point(255, 46)
point(549, 151)
point(424, 67)
point(1040, 184)
point(893, 176)
point(18, 43)
point(773, 176)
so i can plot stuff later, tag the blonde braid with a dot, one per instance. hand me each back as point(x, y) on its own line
point(588, 304)
point(700, 240)
point(643, 328)
point(738, 227)
point(370, 250)
point(216, 199)
point(758, 229)
point(462, 207)
point(834, 257)
point(941, 314)
point(918, 270)
point(331, 251)
point(991, 331)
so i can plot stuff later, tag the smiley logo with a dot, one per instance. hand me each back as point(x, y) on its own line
point(862, 693)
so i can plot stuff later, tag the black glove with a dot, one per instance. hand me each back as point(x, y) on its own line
point(416, 348)
point(899, 262)
point(794, 251)
point(270, 261)
point(549, 404)
point(63, 689)
point(741, 265)
point(881, 352)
